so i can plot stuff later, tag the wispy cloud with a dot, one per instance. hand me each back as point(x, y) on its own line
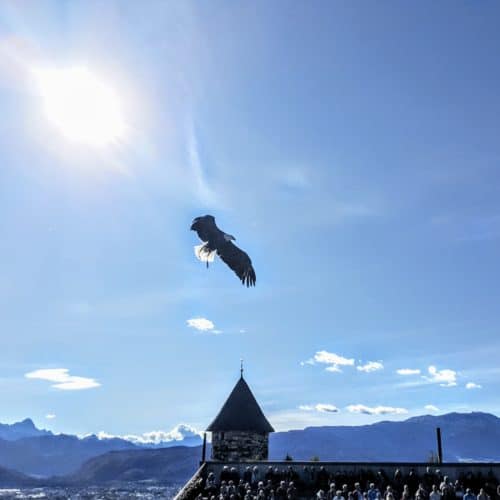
point(332, 360)
point(203, 190)
point(376, 410)
point(445, 378)
point(306, 407)
point(202, 325)
point(326, 408)
point(408, 371)
point(50, 416)
point(371, 366)
point(472, 385)
point(321, 407)
point(61, 379)
point(432, 408)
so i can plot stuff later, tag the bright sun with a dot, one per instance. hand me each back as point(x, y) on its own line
point(81, 106)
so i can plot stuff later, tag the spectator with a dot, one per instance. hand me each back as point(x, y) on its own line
point(339, 496)
point(291, 492)
point(281, 492)
point(434, 495)
point(330, 494)
point(482, 495)
point(469, 495)
point(373, 493)
point(406, 495)
point(358, 494)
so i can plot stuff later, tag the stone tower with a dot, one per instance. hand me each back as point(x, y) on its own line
point(240, 431)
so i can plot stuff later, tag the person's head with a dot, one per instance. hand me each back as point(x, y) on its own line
point(434, 487)
point(291, 485)
point(468, 490)
point(481, 491)
point(282, 484)
point(372, 486)
point(332, 486)
point(356, 486)
point(339, 493)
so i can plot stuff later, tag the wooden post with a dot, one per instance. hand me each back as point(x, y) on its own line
point(440, 445)
point(204, 448)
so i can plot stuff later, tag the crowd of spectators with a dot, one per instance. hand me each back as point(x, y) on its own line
point(315, 482)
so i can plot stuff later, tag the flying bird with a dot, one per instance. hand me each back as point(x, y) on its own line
point(218, 242)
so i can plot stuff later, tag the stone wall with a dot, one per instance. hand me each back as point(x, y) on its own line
point(237, 446)
point(453, 470)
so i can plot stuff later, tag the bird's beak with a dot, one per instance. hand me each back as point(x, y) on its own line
point(194, 222)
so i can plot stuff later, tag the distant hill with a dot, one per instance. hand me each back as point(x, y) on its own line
point(466, 436)
point(174, 465)
point(40, 453)
point(13, 479)
point(54, 454)
point(19, 430)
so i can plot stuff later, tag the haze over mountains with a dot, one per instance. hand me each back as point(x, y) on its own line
point(24, 449)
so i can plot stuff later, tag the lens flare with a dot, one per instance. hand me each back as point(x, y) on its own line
point(81, 106)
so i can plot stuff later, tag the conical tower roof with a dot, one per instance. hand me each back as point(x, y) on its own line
point(240, 412)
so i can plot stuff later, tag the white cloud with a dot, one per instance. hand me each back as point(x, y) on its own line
point(472, 385)
point(326, 408)
point(377, 410)
point(63, 380)
point(178, 433)
point(202, 324)
point(445, 378)
point(50, 416)
point(321, 407)
point(432, 408)
point(334, 361)
point(408, 371)
point(371, 366)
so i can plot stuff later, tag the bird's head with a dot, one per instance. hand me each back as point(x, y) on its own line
point(202, 219)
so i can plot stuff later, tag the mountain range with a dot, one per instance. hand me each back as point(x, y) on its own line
point(27, 451)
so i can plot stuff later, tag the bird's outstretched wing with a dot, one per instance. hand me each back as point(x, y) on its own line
point(238, 261)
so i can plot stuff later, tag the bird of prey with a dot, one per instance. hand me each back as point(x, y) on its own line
point(218, 242)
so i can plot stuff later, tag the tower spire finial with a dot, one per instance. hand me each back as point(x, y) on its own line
point(241, 367)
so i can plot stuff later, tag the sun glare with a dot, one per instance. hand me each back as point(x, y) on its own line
point(81, 106)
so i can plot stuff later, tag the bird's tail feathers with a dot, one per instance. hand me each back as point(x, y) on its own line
point(204, 253)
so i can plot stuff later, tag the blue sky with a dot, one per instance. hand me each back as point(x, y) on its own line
point(351, 148)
